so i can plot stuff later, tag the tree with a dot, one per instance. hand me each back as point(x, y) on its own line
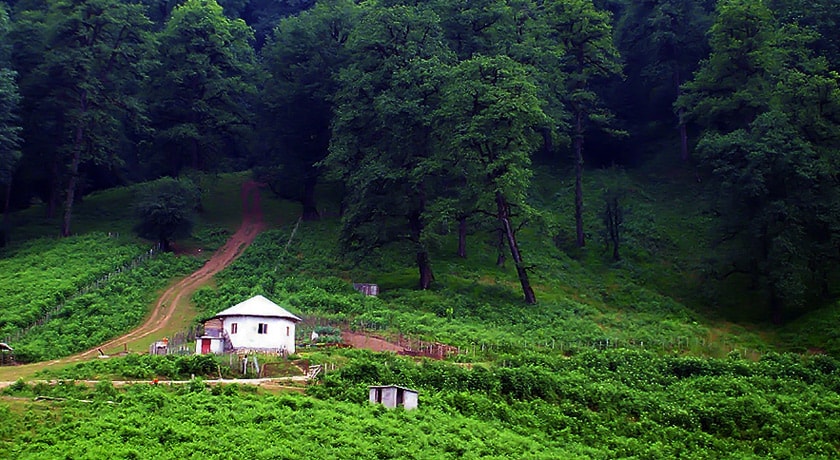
point(586, 36)
point(381, 146)
point(302, 60)
point(771, 113)
point(200, 90)
point(92, 60)
point(663, 42)
point(488, 123)
point(166, 210)
point(9, 122)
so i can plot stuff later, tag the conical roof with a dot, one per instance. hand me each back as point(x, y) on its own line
point(258, 306)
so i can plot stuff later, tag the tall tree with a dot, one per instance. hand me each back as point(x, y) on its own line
point(771, 113)
point(586, 35)
point(302, 61)
point(381, 146)
point(200, 91)
point(663, 42)
point(93, 62)
point(488, 123)
point(9, 121)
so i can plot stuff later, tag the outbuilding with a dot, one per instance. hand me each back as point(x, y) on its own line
point(392, 396)
point(256, 325)
point(6, 354)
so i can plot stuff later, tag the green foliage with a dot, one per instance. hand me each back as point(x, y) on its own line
point(206, 73)
point(166, 209)
point(133, 366)
point(771, 151)
point(41, 274)
point(93, 318)
point(603, 404)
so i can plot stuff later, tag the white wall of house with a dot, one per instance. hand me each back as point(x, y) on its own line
point(217, 345)
point(274, 334)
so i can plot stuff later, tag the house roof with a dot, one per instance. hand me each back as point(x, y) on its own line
point(258, 306)
point(392, 386)
point(5, 347)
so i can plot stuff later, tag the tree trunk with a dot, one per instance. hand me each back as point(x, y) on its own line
point(548, 144)
point(500, 248)
point(425, 267)
point(310, 206)
point(416, 226)
point(462, 237)
point(71, 188)
point(681, 118)
point(7, 202)
point(195, 158)
point(5, 229)
point(504, 218)
point(775, 307)
point(683, 136)
point(78, 145)
point(52, 203)
point(581, 241)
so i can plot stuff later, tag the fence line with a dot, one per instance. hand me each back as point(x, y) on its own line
point(435, 349)
point(48, 315)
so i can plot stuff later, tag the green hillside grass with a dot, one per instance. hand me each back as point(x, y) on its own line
point(42, 274)
point(658, 294)
point(633, 358)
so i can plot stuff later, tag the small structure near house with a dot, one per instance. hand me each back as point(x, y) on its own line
point(161, 347)
point(256, 325)
point(6, 354)
point(392, 396)
point(367, 288)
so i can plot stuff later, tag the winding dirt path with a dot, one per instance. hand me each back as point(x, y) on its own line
point(164, 310)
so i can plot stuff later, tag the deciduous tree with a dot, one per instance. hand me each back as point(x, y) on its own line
point(200, 91)
point(488, 124)
point(166, 209)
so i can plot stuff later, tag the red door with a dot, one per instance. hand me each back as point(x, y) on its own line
point(205, 346)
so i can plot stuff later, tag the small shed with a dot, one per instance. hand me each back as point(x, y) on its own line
point(392, 396)
point(367, 289)
point(6, 354)
point(255, 325)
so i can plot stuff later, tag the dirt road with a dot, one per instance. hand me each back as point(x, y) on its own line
point(165, 309)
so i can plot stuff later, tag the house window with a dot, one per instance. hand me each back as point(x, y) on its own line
point(287, 331)
point(262, 328)
point(233, 328)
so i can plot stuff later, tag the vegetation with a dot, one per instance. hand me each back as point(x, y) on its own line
point(92, 318)
point(166, 210)
point(437, 149)
point(38, 276)
point(598, 404)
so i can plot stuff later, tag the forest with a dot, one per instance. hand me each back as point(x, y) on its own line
point(620, 216)
point(439, 113)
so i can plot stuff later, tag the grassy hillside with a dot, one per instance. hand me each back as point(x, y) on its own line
point(632, 358)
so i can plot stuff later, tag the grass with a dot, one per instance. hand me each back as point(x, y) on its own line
point(658, 294)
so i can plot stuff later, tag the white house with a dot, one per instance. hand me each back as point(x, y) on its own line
point(255, 325)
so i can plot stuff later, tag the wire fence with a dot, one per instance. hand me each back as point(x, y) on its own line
point(439, 349)
point(48, 315)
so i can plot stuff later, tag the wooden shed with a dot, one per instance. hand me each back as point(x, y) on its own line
point(392, 396)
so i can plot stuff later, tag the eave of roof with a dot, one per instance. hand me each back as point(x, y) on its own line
point(258, 306)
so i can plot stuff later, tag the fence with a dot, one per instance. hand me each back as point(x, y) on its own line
point(49, 314)
point(718, 347)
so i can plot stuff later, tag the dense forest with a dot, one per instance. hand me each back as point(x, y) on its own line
point(437, 113)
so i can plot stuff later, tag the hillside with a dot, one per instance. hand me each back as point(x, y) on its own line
point(617, 358)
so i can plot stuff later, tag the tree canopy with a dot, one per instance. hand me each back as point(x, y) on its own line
point(420, 114)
